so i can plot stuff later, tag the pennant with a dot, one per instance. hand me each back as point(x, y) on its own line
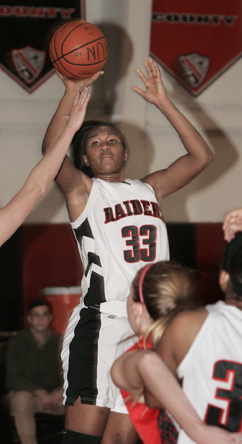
point(196, 42)
point(25, 33)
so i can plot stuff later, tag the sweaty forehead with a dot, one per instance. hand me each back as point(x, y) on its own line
point(104, 129)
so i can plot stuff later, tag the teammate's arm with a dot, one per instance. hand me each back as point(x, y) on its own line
point(199, 154)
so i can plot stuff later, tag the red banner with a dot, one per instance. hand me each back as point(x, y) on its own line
point(196, 41)
point(25, 32)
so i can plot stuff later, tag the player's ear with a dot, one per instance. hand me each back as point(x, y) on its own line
point(85, 160)
point(125, 155)
point(224, 278)
point(138, 309)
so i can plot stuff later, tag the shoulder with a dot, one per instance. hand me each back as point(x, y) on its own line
point(179, 336)
point(22, 337)
point(186, 322)
point(20, 334)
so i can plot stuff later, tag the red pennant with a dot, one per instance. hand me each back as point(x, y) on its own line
point(196, 41)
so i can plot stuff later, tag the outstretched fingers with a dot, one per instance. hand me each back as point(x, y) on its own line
point(149, 68)
point(79, 84)
point(144, 79)
point(91, 80)
point(141, 75)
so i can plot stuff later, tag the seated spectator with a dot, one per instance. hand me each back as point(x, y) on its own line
point(34, 377)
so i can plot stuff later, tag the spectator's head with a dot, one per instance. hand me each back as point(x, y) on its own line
point(40, 315)
point(231, 274)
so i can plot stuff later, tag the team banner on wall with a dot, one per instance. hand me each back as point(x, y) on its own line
point(25, 32)
point(196, 41)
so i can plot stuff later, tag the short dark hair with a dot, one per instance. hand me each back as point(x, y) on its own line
point(39, 302)
point(79, 143)
point(233, 263)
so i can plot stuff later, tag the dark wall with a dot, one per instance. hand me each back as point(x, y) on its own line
point(40, 256)
point(200, 246)
point(11, 301)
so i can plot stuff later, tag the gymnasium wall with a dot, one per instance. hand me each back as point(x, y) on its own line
point(216, 112)
point(40, 253)
point(45, 256)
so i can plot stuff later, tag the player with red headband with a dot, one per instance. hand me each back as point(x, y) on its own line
point(201, 346)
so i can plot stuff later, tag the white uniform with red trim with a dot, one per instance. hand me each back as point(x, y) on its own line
point(211, 371)
point(120, 230)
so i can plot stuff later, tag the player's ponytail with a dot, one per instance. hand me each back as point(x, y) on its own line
point(167, 289)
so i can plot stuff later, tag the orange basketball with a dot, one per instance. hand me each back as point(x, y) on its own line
point(78, 50)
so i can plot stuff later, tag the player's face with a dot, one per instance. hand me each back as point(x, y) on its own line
point(105, 153)
point(40, 318)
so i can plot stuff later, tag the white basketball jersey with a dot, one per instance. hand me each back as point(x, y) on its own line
point(211, 372)
point(120, 230)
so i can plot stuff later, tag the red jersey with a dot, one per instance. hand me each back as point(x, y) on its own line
point(152, 425)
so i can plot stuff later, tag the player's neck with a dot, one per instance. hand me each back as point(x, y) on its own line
point(230, 299)
point(111, 177)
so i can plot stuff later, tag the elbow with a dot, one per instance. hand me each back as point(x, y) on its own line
point(205, 160)
point(208, 157)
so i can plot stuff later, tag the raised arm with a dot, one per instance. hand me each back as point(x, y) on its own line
point(138, 369)
point(199, 154)
point(232, 224)
point(66, 177)
point(14, 213)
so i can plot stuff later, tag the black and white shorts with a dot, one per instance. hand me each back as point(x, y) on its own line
point(94, 338)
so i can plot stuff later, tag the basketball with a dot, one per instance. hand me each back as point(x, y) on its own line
point(78, 49)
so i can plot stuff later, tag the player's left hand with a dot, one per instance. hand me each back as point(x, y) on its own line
point(155, 91)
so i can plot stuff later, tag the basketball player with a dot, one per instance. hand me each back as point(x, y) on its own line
point(119, 228)
point(203, 348)
point(14, 213)
point(232, 223)
point(158, 293)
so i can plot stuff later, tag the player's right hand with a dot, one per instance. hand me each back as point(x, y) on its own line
point(78, 85)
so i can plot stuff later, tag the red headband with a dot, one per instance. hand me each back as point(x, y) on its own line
point(141, 280)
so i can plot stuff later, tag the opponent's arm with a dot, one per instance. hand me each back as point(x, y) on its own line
point(144, 368)
point(14, 213)
point(232, 224)
point(199, 154)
